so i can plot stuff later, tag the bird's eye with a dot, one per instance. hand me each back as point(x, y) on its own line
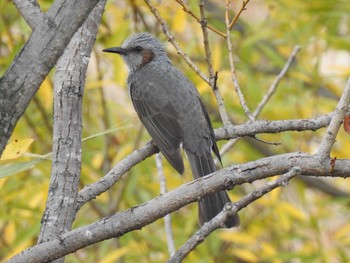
point(138, 48)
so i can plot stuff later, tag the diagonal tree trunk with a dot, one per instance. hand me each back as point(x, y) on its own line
point(69, 83)
point(46, 44)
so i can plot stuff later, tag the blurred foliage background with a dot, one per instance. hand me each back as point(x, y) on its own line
point(295, 224)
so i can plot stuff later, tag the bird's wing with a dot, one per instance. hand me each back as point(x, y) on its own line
point(160, 120)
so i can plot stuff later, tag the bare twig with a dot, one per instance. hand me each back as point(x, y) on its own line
point(212, 75)
point(188, 11)
point(232, 66)
point(328, 140)
point(234, 20)
point(221, 106)
point(229, 210)
point(174, 43)
point(277, 80)
point(167, 218)
point(204, 23)
point(90, 191)
point(227, 146)
point(263, 126)
point(266, 142)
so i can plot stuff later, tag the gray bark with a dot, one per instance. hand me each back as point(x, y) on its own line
point(22, 79)
point(69, 83)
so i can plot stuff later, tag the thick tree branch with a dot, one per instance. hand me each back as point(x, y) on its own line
point(91, 191)
point(139, 216)
point(328, 140)
point(264, 126)
point(317, 183)
point(229, 210)
point(66, 160)
point(30, 11)
point(46, 44)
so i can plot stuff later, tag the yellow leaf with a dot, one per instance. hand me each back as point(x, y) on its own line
point(342, 232)
point(240, 238)
point(115, 255)
point(38, 197)
point(274, 196)
point(10, 232)
point(15, 148)
point(301, 76)
point(268, 250)
point(216, 55)
point(97, 160)
point(179, 21)
point(16, 249)
point(45, 94)
point(245, 255)
point(292, 211)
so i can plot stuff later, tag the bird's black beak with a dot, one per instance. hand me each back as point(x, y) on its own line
point(118, 50)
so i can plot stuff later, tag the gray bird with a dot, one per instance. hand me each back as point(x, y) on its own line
point(170, 108)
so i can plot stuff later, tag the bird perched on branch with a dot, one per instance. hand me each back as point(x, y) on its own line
point(170, 108)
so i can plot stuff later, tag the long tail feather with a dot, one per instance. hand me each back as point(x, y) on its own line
point(213, 204)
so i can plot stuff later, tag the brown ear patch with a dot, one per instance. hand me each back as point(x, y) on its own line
point(147, 56)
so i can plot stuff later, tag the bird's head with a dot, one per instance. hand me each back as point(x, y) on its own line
point(140, 49)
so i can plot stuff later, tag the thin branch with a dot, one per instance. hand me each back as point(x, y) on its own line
point(328, 140)
point(188, 11)
point(229, 210)
point(212, 75)
point(273, 86)
point(232, 66)
point(91, 191)
point(174, 43)
point(326, 187)
point(263, 126)
point(221, 106)
point(266, 142)
point(167, 218)
point(234, 20)
point(227, 146)
point(277, 80)
point(30, 11)
point(204, 24)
